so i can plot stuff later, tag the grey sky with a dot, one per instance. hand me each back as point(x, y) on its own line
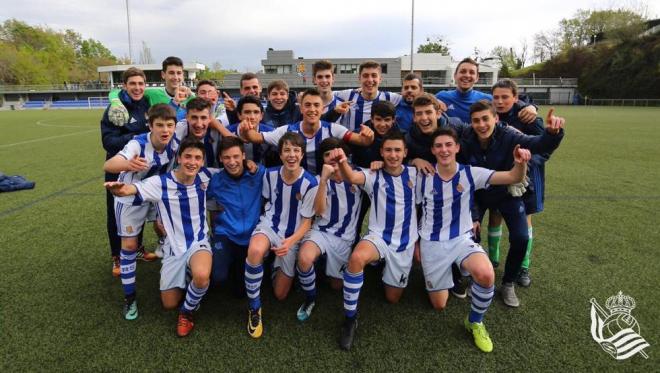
point(237, 33)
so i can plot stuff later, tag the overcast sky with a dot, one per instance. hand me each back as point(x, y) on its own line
point(237, 33)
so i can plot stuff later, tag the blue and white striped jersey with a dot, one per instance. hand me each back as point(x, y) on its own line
point(392, 215)
point(287, 204)
point(360, 111)
point(342, 206)
point(182, 208)
point(446, 203)
point(313, 160)
point(211, 143)
point(141, 146)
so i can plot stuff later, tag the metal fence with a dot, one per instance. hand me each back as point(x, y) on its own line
point(654, 102)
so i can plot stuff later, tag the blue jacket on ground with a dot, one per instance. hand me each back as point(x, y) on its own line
point(240, 203)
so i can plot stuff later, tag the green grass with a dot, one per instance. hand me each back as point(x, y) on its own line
point(61, 307)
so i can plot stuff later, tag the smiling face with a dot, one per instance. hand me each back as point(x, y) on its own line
point(134, 86)
point(252, 113)
point(250, 87)
point(198, 122)
point(311, 109)
point(190, 162)
point(162, 131)
point(291, 155)
point(232, 160)
point(382, 125)
point(444, 149)
point(483, 124)
point(324, 79)
point(277, 98)
point(208, 92)
point(410, 90)
point(426, 118)
point(173, 77)
point(503, 99)
point(393, 153)
point(466, 76)
point(370, 80)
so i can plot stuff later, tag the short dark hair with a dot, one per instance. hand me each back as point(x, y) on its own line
point(310, 92)
point(394, 135)
point(131, 72)
point(207, 82)
point(277, 84)
point(247, 76)
point(322, 65)
point(370, 64)
point(333, 143)
point(444, 131)
point(230, 142)
point(426, 99)
point(383, 109)
point(293, 138)
point(482, 105)
point(198, 104)
point(190, 142)
point(413, 76)
point(507, 83)
point(161, 111)
point(249, 99)
point(172, 61)
point(467, 60)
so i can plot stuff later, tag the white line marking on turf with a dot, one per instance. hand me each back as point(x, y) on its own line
point(47, 138)
point(44, 123)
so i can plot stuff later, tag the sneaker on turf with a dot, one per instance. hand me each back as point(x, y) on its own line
point(509, 295)
point(305, 310)
point(159, 252)
point(147, 256)
point(348, 333)
point(254, 326)
point(480, 334)
point(523, 278)
point(185, 324)
point(130, 310)
point(116, 269)
point(459, 289)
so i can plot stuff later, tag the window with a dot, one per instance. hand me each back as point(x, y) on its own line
point(383, 68)
point(277, 69)
point(348, 68)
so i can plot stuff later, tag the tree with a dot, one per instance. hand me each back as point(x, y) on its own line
point(435, 44)
point(510, 58)
point(547, 44)
point(587, 26)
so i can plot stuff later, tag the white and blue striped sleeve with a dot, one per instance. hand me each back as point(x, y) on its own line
point(130, 150)
point(481, 177)
point(150, 189)
point(274, 136)
point(307, 207)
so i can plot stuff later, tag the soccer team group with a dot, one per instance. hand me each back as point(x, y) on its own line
point(287, 183)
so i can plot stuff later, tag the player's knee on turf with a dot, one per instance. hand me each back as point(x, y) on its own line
point(359, 258)
point(201, 277)
point(392, 294)
point(259, 246)
point(170, 299)
point(282, 285)
point(438, 299)
point(307, 256)
point(129, 243)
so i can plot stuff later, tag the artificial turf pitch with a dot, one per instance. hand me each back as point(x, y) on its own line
point(61, 308)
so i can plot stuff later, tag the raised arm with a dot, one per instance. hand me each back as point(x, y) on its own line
point(248, 132)
point(364, 138)
point(120, 189)
point(118, 164)
point(353, 177)
point(320, 199)
point(518, 171)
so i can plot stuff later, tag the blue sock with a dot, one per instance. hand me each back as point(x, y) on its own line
point(308, 282)
point(481, 299)
point(127, 265)
point(193, 297)
point(253, 277)
point(352, 285)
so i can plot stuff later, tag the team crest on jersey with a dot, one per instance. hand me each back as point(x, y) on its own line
point(353, 188)
point(298, 196)
point(460, 188)
point(410, 184)
point(204, 186)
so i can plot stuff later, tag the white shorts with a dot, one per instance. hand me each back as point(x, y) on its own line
point(174, 272)
point(130, 219)
point(286, 263)
point(336, 250)
point(438, 256)
point(397, 264)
